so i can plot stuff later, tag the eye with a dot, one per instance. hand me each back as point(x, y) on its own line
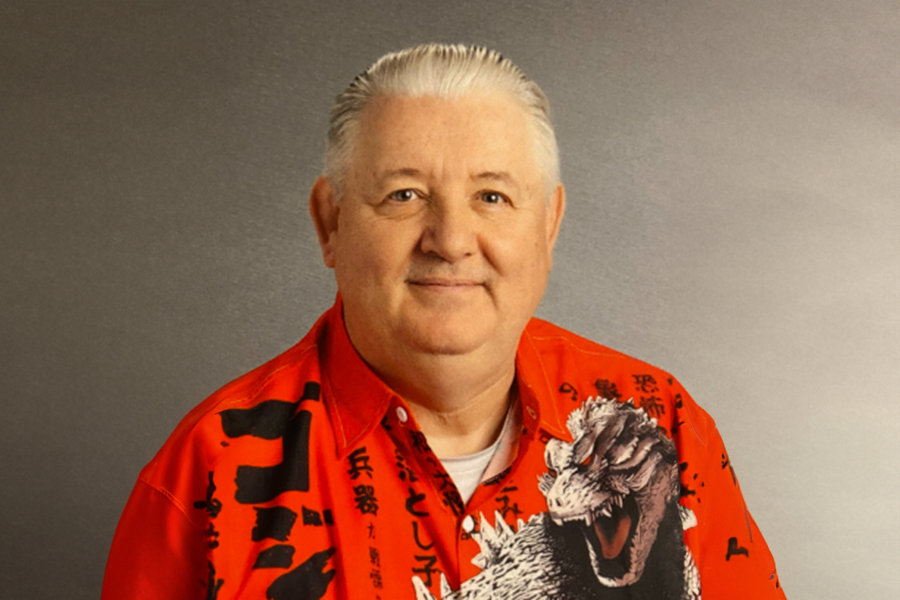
point(403, 195)
point(587, 460)
point(493, 197)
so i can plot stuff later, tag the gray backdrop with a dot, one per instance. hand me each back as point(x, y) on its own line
point(732, 172)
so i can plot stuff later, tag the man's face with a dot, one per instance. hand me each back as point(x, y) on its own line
point(443, 239)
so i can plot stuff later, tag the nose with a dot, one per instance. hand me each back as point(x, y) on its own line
point(450, 232)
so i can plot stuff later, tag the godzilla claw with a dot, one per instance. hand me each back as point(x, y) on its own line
point(422, 592)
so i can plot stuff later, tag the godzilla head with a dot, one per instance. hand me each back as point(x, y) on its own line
point(614, 481)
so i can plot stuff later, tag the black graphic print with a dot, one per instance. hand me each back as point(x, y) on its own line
point(613, 528)
point(211, 505)
point(405, 473)
point(359, 463)
point(420, 543)
point(269, 420)
point(607, 389)
point(275, 523)
point(411, 502)
point(505, 505)
point(727, 464)
point(213, 585)
point(276, 557)
point(313, 518)
point(735, 550)
point(262, 484)
point(366, 502)
point(686, 489)
point(568, 388)
point(307, 582)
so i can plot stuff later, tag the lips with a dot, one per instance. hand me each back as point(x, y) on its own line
point(439, 282)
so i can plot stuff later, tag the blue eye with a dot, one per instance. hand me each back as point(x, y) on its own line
point(403, 195)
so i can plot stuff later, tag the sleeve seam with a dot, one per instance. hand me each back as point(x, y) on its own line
point(172, 500)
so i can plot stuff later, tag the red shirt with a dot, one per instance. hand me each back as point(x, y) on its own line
point(309, 478)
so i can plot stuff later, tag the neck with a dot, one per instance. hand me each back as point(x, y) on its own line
point(459, 403)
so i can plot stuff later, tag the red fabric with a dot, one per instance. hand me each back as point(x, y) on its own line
point(309, 478)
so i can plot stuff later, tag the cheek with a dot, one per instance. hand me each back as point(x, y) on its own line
point(523, 258)
point(370, 255)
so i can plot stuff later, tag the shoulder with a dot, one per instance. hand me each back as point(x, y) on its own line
point(564, 354)
point(202, 437)
point(578, 368)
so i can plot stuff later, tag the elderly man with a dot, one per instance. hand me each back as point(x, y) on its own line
point(429, 438)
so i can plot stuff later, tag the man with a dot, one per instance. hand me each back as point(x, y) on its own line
point(429, 438)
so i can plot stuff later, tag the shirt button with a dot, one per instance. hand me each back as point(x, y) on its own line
point(401, 414)
point(468, 524)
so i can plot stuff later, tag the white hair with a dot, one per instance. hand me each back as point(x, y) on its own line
point(444, 71)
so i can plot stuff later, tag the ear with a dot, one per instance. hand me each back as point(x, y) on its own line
point(324, 210)
point(555, 211)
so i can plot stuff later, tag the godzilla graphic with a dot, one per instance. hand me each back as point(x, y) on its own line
point(613, 526)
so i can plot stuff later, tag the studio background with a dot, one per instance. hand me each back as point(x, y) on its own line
point(733, 173)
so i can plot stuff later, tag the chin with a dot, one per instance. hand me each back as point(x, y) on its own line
point(442, 339)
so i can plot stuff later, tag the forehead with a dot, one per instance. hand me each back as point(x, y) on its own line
point(488, 131)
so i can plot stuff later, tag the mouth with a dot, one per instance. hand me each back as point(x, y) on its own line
point(612, 526)
point(609, 530)
point(444, 285)
point(441, 281)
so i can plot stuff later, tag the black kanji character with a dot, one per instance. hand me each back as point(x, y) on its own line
point(454, 501)
point(653, 406)
point(607, 389)
point(507, 507)
point(405, 474)
point(411, 502)
point(645, 383)
point(359, 463)
point(427, 570)
point(366, 502)
point(375, 575)
point(418, 441)
point(568, 388)
point(415, 525)
point(734, 549)
point(444, 477)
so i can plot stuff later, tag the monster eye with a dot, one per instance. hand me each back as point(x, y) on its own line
point(587, 460)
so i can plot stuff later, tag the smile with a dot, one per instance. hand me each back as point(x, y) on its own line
point(440, 284)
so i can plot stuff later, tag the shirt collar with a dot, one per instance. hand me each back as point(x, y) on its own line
point(358, 399)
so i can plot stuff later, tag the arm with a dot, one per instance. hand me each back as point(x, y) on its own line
point(156, 552)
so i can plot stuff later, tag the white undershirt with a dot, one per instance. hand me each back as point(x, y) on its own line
point(466, 470)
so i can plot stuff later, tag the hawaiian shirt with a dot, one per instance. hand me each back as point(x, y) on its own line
point(309, 478)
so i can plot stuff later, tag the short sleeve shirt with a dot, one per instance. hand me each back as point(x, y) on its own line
point(310, 478)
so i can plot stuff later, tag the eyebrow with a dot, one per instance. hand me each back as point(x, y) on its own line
point(501, 176)
point(404, 172)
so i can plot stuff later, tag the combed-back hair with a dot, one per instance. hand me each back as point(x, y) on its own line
point(444, 71)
